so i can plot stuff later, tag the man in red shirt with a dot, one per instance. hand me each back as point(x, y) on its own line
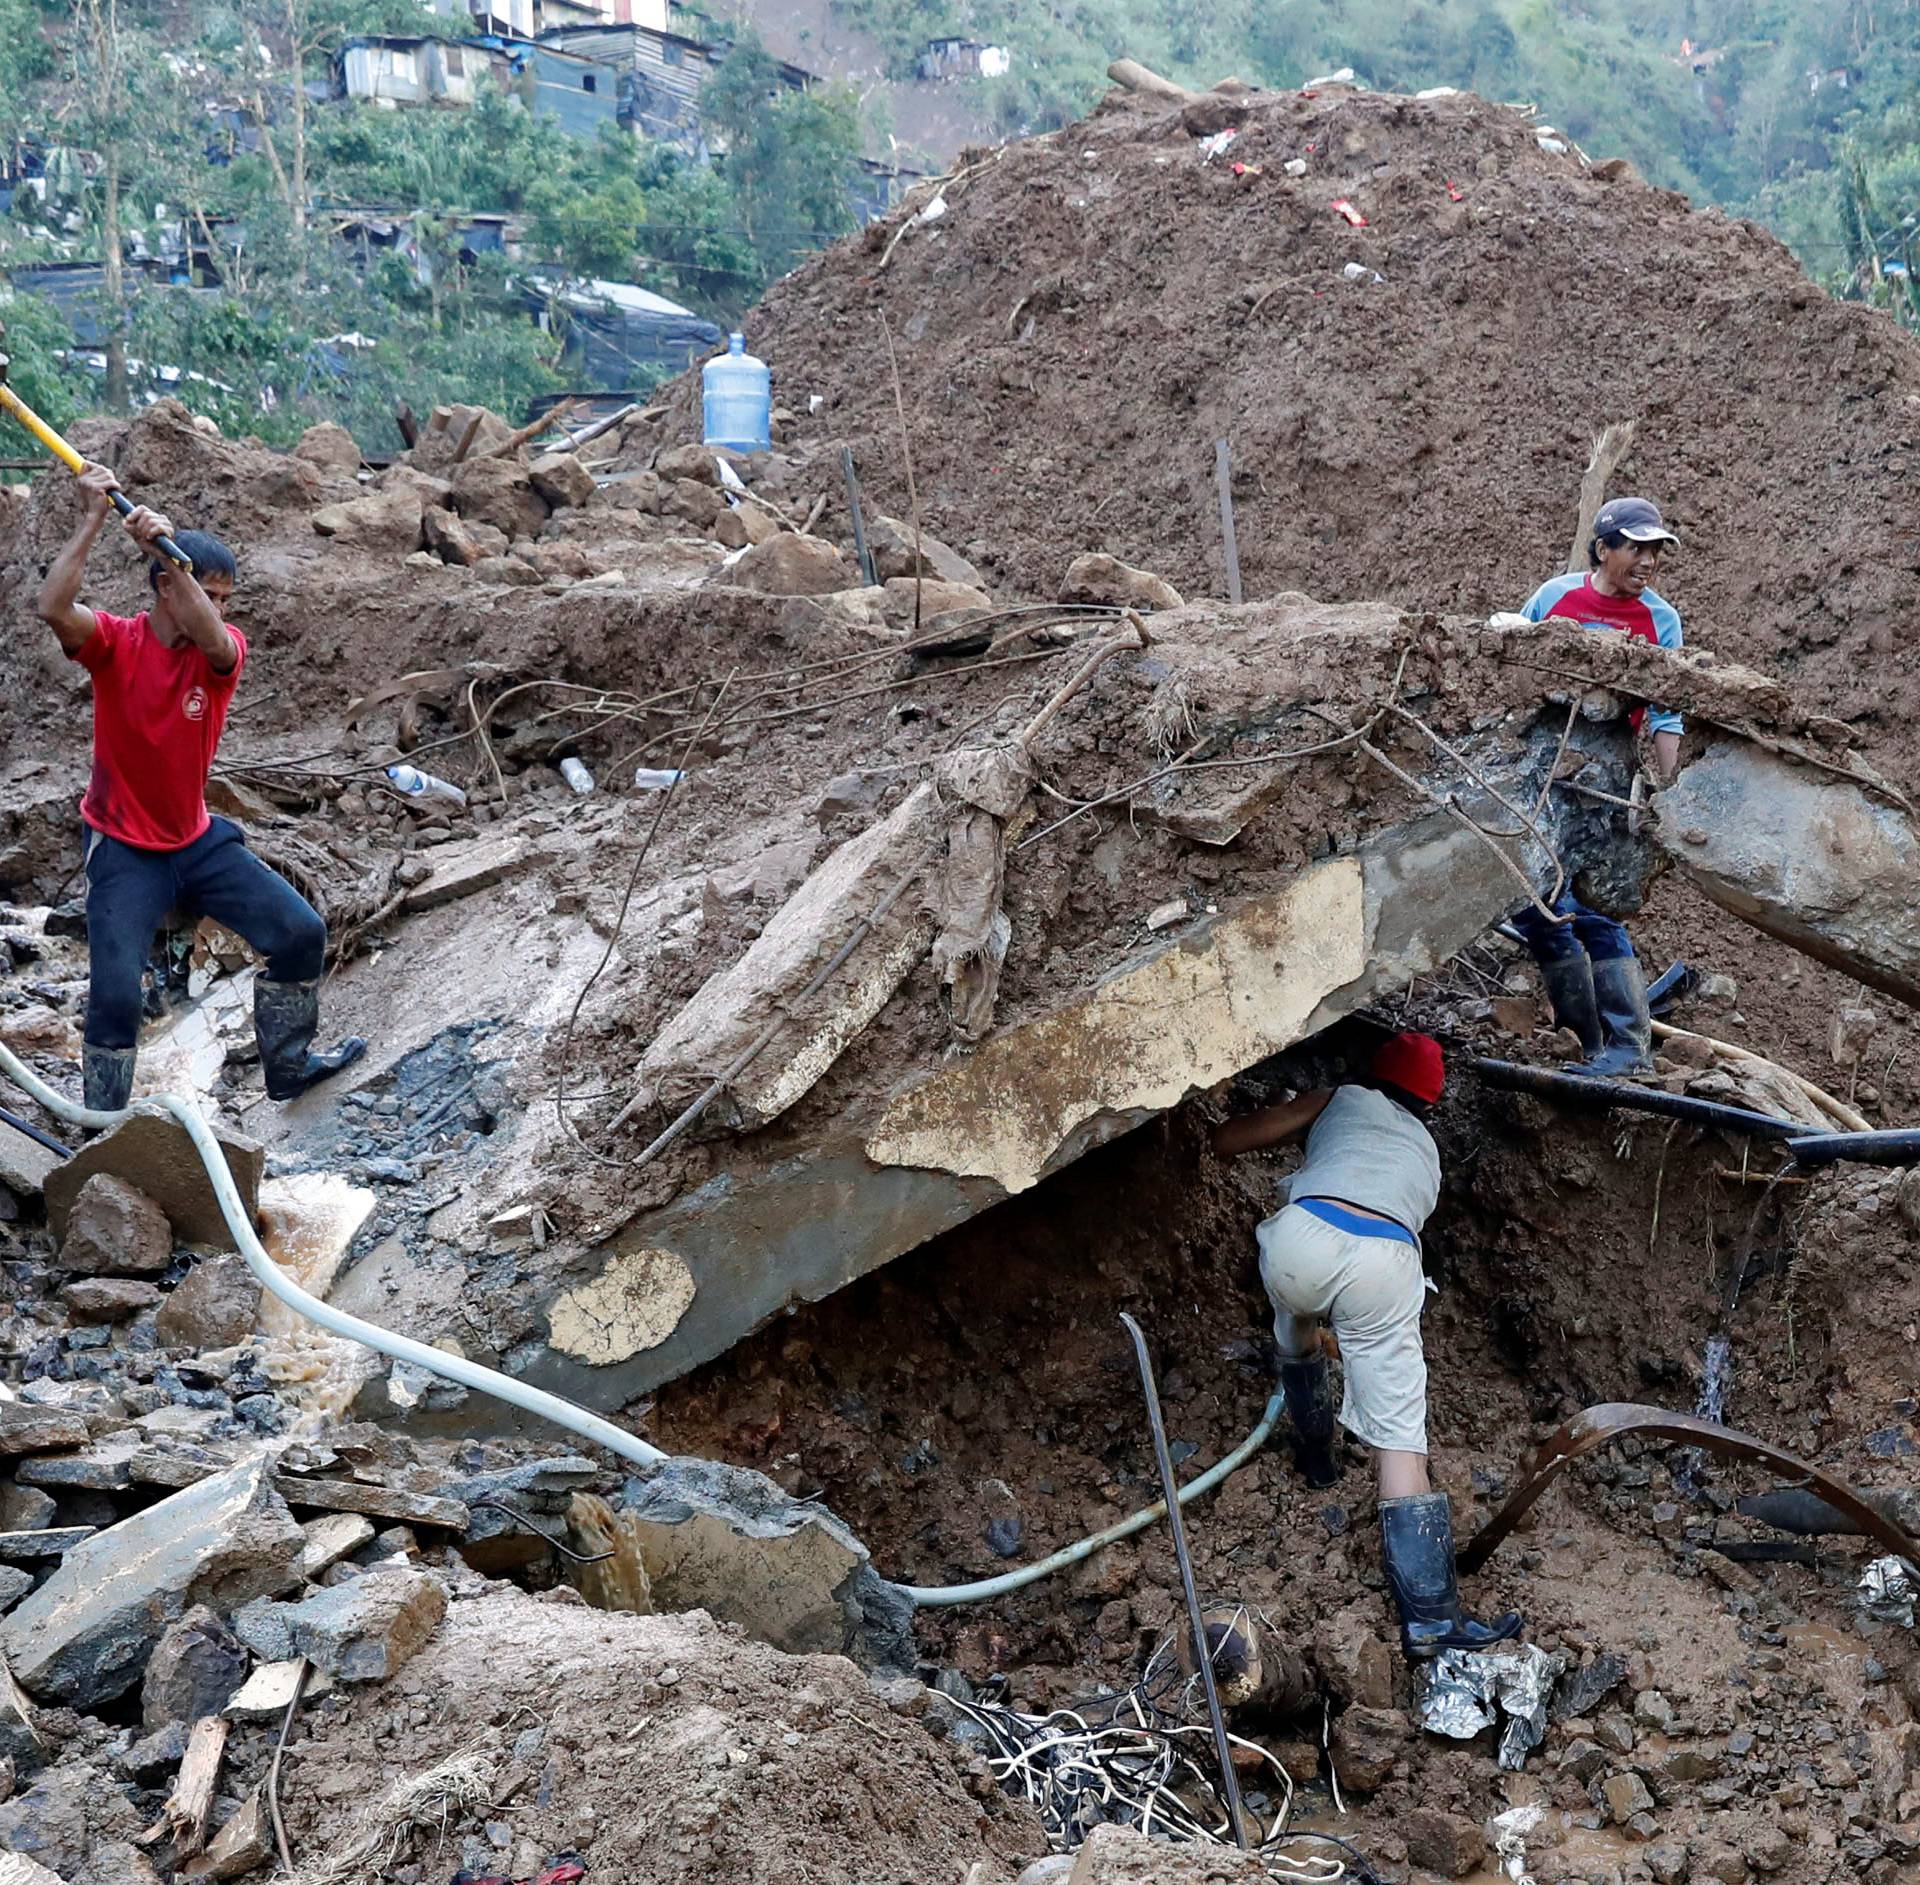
point(162, 681)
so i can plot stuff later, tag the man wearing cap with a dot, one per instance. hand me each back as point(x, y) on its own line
point(1346, 1249)
point(1592, 976)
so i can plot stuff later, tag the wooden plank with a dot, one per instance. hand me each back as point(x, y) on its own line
point(349, 1495)
point(184, 1818)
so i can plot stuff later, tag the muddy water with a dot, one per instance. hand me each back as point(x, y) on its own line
point(307, 1223)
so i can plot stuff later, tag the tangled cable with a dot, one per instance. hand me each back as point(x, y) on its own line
point(1124, 1760)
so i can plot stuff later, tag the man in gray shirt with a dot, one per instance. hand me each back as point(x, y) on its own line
point(1346, 1249)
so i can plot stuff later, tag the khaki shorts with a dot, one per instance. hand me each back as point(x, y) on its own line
point(1372, 1290)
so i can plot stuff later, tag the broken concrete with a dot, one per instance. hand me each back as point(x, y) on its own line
point(115, 1229)
point(1818, 861)
point(368, 1628)
point(153, 1154)
point(330, 1538)
point(195, 1667)
point(24, 1163)
point(85, 1636)
point(721, 1539)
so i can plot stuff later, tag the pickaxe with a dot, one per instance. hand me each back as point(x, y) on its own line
point(10, 401)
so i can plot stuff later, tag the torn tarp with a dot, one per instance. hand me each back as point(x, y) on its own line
point(1469, 1690)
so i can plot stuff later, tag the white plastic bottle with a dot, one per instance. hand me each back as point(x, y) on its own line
point(423, 787)
point(648, 780)
point(576, 775)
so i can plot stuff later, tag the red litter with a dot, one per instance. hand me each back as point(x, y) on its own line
point(1455, 191)
point(1343, 208)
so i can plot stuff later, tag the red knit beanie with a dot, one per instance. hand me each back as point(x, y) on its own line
point(1413, 1063)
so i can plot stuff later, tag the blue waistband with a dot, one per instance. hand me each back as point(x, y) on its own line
point(1328, 1212)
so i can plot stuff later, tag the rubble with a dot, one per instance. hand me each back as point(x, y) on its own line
point(1097, 578)
point(213, 1306)
point(113, 1229)
point(155, 1157)
point(368, 1628)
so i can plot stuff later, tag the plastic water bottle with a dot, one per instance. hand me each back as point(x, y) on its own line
point(648, 780)
point(423, 787)
point(736, 399)
point(577, 776)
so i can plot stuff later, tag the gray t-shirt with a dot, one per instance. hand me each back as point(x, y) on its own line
point(1365, 1150)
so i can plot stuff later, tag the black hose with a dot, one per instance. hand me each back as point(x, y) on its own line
point(1586, 1089)
point(34, 1133)
point(1795, 1509)
point(1861, 1148)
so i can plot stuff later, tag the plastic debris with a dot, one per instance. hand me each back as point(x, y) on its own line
point(1211, 147)
point(1508, 1833)
point(652, 779)
point(412, 783)
point(1454, 192)
point(1887, 1591)
point(576, 775)
point(1439, 91)
point(1295, 166)
point(1248, 170)
point(1174, 911)
point(1343, 77)
point(1552, 146)
point(1469, 1690)
point(1346, 211)
point(1359, 271)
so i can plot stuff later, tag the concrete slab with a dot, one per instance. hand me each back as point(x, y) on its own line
point(154, 1154)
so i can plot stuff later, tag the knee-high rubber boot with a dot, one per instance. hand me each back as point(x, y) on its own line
point(1569, 986)
point(106, 1076)
point(1309, 1393)
point(1416, 1546)
point(285, 1017)
point(1620, 993)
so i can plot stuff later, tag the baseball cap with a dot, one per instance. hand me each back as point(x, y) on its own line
point(1413, 1063)
point(1635, 518)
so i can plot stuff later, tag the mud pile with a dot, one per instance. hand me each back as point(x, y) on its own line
point(1096, 307)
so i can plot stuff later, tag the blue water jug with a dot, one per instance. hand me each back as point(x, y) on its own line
point(736, 399)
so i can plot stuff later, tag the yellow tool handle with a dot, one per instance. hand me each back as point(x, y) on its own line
point(10, 401)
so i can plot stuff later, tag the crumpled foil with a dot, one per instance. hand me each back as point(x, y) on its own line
point(1468, 1690)
point(1887, 1591)
point(1509, 1831)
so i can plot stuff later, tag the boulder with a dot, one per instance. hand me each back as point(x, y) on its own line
point(195, 1668)
point(1447, 1843)
point(497, 491)
point(891, 542)
point(370, 1628)
point(635, 491)
point(214, 1306)
point(936, 599)
point(456, 540)
point(154, 1154)
point(108, 1298)
point(562, 479)
point(84, 1637)
point(698, 463)
point(698, 504)
point(114, 1228)
point(331, 447)
point(792, 565)
point(25, 1428)
point(1367, 1744)
point(1097, 578)
point(387, 520)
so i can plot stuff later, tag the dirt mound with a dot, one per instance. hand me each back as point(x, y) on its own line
point(658, 1748)
point(1096, 307)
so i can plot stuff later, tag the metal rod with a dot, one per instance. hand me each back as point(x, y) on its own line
point(860, 548)
point(1202, 1649)
point(1223, 478)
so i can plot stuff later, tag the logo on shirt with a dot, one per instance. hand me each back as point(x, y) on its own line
point(195, 704)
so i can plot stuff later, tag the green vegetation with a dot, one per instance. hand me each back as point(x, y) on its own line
point(300, 326)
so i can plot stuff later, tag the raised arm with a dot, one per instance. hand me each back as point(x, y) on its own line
point(59, 603)
point(186, 601)
point(1271, 1125)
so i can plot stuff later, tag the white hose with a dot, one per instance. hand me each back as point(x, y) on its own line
point(469, 1374)
point(931, 1597)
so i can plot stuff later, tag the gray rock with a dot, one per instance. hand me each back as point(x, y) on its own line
point(118, 1863)
point(1626, 1795)
point(155, 1755)
point(154, 1155)
point(14, 1584)
point(85, 1635)
point(215, 1306)
point(1445, 1843)
point(1584, 1689)
point(331, 1537)
point(114, 1229)
point(263, 1626)
point(369, 1629)
point(195, 1668)
point(561, 479)
point(58, 1820)
point(25, 1428)
point(108, 1298)
point(24, 1508)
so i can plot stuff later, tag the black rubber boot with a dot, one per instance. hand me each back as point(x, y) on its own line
point(1620, 992)
point(1416, 1546)
point(1569, 986)
point(106, 1077)
point(1308, 1388)
point(285, 1017)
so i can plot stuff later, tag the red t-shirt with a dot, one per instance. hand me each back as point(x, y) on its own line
point(157, 717)
point(1585, 603)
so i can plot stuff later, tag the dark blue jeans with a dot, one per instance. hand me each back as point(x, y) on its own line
point(130, 890)
point(1601, 937)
